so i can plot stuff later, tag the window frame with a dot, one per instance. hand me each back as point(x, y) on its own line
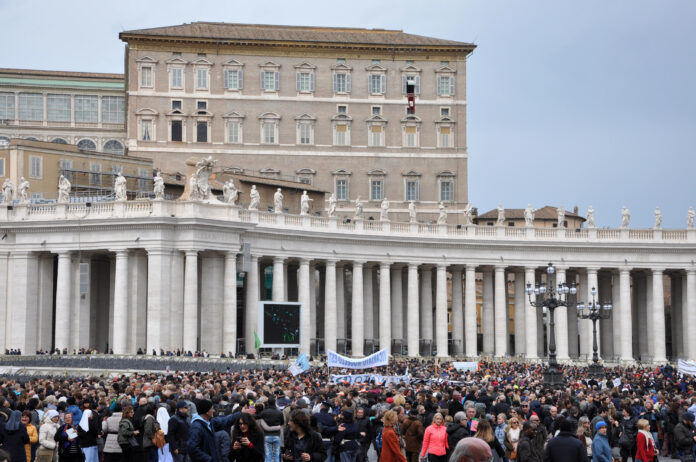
point(150, 74)
point(67, 116)
point(95, 175)
point(120, 113)
point(346, 134)
point(416, 181)
point(346, 183)
point(151, 132)
point(450, 86)
point(207, 130)
point(382, 84)
point(205, 71)
point(309, 135)
point(374, 181)
point(449, 180)
point(371, 135)
point(39, 162)
point(228, 125)
point(274, 126)
point(182, 71)
point(275, 78)
point(31, 110)
point(9, 105)
point(92, 110)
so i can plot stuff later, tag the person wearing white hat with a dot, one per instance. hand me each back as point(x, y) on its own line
point(47, 444)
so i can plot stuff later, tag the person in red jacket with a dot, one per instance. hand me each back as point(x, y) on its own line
point(645, 444)
point(435, 440)
point(391, 451)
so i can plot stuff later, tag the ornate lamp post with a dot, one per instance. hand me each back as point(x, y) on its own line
point(547, 295)
point(594, 311)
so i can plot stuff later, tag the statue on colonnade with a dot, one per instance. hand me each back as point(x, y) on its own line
point(358, 208)
point(529, 216)
point(64, 188)
point(501, 215)
point(690, 215)
point(658, 218)
point(8, 191)
point(332, 205)
point(229, 192)
point(254, 197)
point(590, 217)
point(23, 190)
point(625, 217)
point(158, 186)
point(442, 218)
point(120, 188)
point(304, 203)
point(278, 201)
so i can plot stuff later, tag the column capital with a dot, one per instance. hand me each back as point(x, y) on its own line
point(592, 269)
point(64, 253)
point(230, 254)
point(384, 265)
point(358, 263)
point(191, 253)
point(158, 251)
point(625, 270)
point(471, 267)
point(442, 266)
point(500, 267)
point(121, 253)
point(304, 260)
point(279, 259)
point(331, 261)
point(413, 265)
point(691, 271)
point(657, 270)
point(528, 268)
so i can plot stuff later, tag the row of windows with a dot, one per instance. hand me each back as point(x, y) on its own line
point(62, 107)
point(110, 146)
point(95, 178)
point(411, 191)
point(269, 79)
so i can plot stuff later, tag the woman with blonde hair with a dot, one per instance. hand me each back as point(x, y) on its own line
point(391, 451)
point(512, 437)
point(645, 444)
point(485, 432)
point(435, 440)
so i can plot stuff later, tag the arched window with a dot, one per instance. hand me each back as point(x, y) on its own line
point(31, 138)
point(113, 147)
point(87, 144)
point(59, 141)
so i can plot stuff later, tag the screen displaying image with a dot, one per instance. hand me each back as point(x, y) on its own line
point(281, 324)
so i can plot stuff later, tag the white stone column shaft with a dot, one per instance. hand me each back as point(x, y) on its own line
point(312, 301)
point(330, 329)
point(501, 339)
point(561, 321)
point(191, 301)
point(426, 303)
point(658, 318)
point(229, 305)
point(121, 303)
point(616, 328)
point(278, 279)
point(24, 301)
point(176, 316)
point(357, 314)
point(488, 314)
point(624, 312)
point(303, 296)
point(397, 303)
point(457, 313)
point(530, 317)
point(412, 307)
point(690, 313)
point(4, 294)
point(520, 327)
point(441, 310)
point(675, 282)
point(648, 314)
point(63, 301)
point(470, 326)
point(384, 308)
point(340, 301)
point(605, 333)
point(368, 302)
point(251, 294)
point(158, 298)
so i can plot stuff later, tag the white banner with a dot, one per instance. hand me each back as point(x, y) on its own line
point(686, 367)
point(367, 378)
point(381, 358)
point(465, 365)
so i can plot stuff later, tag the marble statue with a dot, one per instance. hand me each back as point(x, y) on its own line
point(8, 191)
point(412, 212)
point(658, 218)
point(561, 216)
point(384, 211)
point(204, 170)
point(468, 213)
point(193, 188)
point(278, 201)
point(229, 192)
point(690, 215)
point(358, 208)
point(442, 218)
point(529, 216)
point(254, 198)
point(590, 217)
point(332, 205)
point(158, 186)
point(64, 187)
point(304, 203)
point(120, 188)
point(23, 191)
point(501, 215)
point(625, 217)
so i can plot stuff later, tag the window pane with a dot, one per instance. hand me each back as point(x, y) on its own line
point(446, 191)
point(146, 77)
point(95, 178)
point(341, 131)
point(113, 147)
point(177, 77)
point(87, 144)
point(176, 130)
point(202, 78)
point(303, 81)
point(113, 109)
point(30, 106)
point(86, 108)
point(58, 108)
point(305, 132)
point(233, 132)
point(411, 190)
point(7, 106)
point(147, 130)
point(376, 190)
point(341, 83)
point(375, 83)
point(443, 85)
point(232, 80)
point(268, 80)
point(341, 190)
point(202, 132)
point(269, 132)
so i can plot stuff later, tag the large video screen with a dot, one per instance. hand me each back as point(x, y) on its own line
point(280, 324)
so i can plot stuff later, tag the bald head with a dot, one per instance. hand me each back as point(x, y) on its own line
point(471, 450)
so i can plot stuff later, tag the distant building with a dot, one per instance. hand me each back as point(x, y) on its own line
point(545, 217)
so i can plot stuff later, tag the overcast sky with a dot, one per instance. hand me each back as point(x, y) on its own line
point(570, 102)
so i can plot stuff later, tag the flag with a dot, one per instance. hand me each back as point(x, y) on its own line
point(300, 365)
point(257, 341)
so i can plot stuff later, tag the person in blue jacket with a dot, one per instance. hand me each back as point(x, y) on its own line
point(601, 451)
point(202, 445)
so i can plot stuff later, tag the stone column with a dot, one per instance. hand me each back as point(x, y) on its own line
point(501, 339)
point(675, 281)
point(690, 313)
point(585, 326)
point(24, 301)
point(384, 308)
point(357, 310)
point(397, 303)
point(520, 327)
point(639, 313)
point(616, 326)
point(592, 282)
point(658, 317)
point(303, 296)
point(340, 301)
point(121, 303)
point(624, 312)
point(278, 279)
point(176, 316)
point(561, 321)
point(4, 293)
point(572, 312)
point(44, 327)
point(412, 306)
point(191, 301)
point(441, 310)
point(530, 316)
point(229, 305)
point(158, 298)
point(251, 294)
point(605, 334)
point(426, 303)
point(330, 323)
point(312, 301)
point(368, 302)
point(212, 281)
point(648, 310)
point(487, 314)
point(63, 300)
point(457, 313)
point(470, 327)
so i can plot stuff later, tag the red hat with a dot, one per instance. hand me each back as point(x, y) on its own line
point(390, 400)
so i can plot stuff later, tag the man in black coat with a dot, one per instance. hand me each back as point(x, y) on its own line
point(457, 430)
point(202, 444)
point(566, 447)
point(178, 431)
point(527, 450)
point(272, 416)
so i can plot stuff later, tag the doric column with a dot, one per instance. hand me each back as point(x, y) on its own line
point(441, 310)
point(530, 317)
point(658, 317)
point(4, 293)
point(585, 325)
point(229, 305)
point(121, 303)
point(278, 279)
point(690, 313)
point(561, 321)
point(648, 310)
point(176, 334)
point(397, 303)
point(330, 306)
point(24, 301)
point(639, 314)
point(312, 301)
point(470, 327)
point(605, 334)
point(384, 307)
point(368, 302)
point(251, 286)
point(457, 313)
point(357, 314)
point(303, 297)
point(340, 301)
point(624, 312)
point(63, 299)
point(426, 303)
point(487, 314)
point(572, 312)
point(500, 312)
point(44, 326)
point(412, 304)
point(592, 282)
point(615, 325)
point(520, 328)
point(158, 298)
point(191, 301)
point(675, 281)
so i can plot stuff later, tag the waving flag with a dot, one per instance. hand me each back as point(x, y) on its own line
point(300, 365)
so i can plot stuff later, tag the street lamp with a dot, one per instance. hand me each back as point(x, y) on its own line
point(594, 311)
point(546, 295)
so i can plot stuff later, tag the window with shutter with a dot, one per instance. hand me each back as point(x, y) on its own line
point(277, 80)
point(177, 132)
point(451, 82)
point(177, 76)
point(341, 189)
point(410, 137)
point(340, 138)
point(202, 79)
point(445, 137)
point(35, 167)
point(233, 132)
point(383, 84)
point(146, 77)
point(202, 132)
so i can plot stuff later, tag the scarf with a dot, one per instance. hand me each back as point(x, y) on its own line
point(163, 419)
point(14, 421)
point(648, 438)
point(84, 421)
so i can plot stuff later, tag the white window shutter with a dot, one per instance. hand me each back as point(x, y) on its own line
point(240, 73)
point(311, 81)
point(262, 75)
point(297, 81)
point(451, 85)
point(277, 81)
point(335, 84)
point(383, 80)
point(418, 84)
point(403, 84)
point(347, 83)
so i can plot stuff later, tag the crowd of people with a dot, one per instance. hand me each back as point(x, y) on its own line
point(503, 412)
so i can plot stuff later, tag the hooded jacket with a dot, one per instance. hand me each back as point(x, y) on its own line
point(202, 445)
point(14, 436)
point(601, 451)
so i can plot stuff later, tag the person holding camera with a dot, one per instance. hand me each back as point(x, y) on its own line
point(302, 444)
point(247, 439)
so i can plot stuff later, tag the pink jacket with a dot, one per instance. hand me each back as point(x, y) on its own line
point(435, 440)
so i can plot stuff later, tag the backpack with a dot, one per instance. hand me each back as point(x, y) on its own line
point(159, 440)
point(378, 440)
